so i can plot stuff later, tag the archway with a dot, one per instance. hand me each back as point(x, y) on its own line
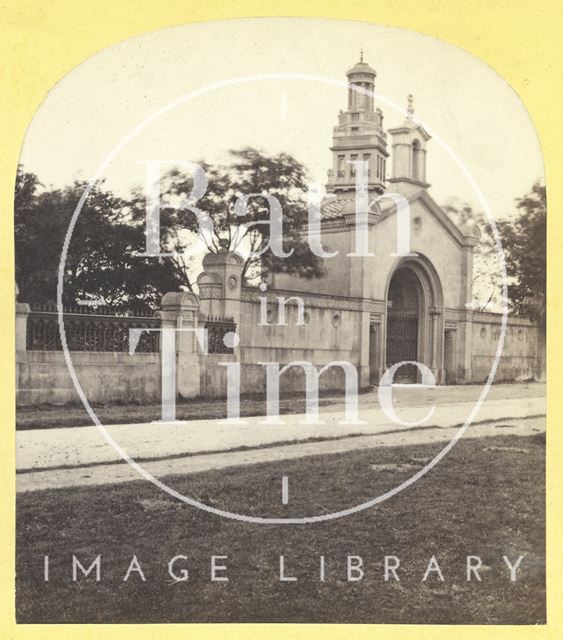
point(414, 319)
point(403, 301)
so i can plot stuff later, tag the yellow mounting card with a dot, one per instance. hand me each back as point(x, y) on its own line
point(279, 335)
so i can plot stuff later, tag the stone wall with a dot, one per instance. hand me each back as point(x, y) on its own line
point(331, 328)
point(522, 355)
point(43, 377)
point(331, 331)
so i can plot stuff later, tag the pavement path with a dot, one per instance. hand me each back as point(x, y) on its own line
point(190, 447)
point(115, 473)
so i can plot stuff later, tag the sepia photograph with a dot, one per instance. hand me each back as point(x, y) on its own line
point(280, 333)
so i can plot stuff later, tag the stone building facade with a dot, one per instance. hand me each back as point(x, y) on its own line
point(372, 308)
point(397, 307)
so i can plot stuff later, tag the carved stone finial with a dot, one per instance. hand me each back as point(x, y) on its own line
point(410, 106)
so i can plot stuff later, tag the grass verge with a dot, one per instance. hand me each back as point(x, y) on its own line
point(485, 498)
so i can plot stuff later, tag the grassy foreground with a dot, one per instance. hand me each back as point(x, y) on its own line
point(485, 498)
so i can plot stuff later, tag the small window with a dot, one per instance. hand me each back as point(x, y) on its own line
point(353, 159)
point(367, 158)
point(416, 161)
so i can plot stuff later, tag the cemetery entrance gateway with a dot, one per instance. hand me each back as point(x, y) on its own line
point(402, 324)
point(414, 320)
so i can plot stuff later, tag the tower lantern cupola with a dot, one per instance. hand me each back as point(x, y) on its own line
point(361, 78)
point(359, 136)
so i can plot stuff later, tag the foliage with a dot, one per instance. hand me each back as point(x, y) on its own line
point(524, 240)
point(487, 279)
point(101, 261)
point(250, 172)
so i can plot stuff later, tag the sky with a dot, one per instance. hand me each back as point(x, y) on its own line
point(460, 99)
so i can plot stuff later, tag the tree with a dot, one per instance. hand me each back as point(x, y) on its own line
point(524, 241)
point(487, 279)
point(102, 261)
point(250, 172)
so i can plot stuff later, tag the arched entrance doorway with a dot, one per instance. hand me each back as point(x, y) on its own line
point(403, 301)
point(414, 320)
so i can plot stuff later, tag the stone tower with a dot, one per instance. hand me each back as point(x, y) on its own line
point(409, 153)
point(358, 136)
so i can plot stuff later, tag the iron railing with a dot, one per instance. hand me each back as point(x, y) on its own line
point(90, 329)
point(217, 328)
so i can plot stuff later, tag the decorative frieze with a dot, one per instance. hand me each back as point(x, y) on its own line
point(210, 292)
point(319, 301)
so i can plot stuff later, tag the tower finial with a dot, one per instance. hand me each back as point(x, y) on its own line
point(410, 106)
point(362, 54)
